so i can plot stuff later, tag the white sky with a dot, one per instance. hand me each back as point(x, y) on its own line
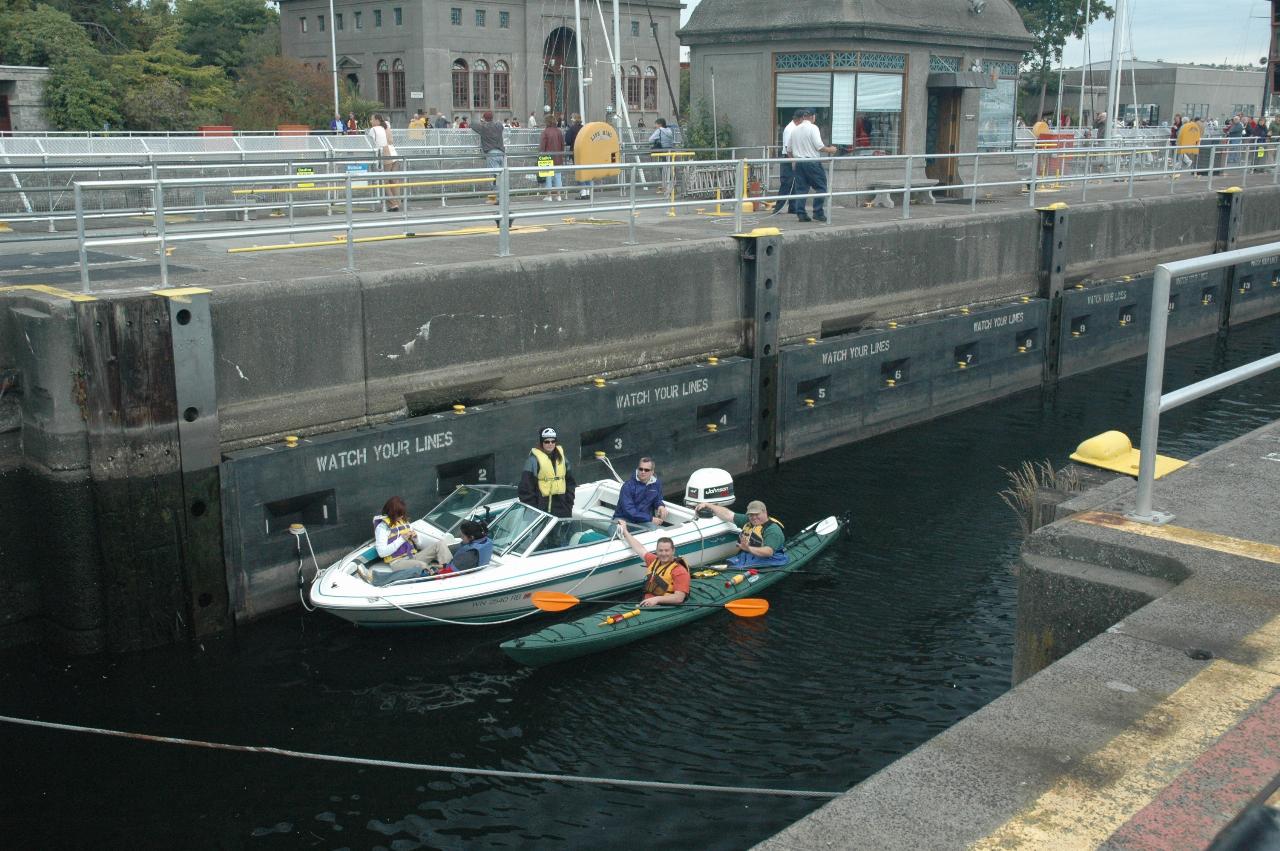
point(1232, 31)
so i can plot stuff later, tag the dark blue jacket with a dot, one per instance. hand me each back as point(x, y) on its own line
point(636, 502)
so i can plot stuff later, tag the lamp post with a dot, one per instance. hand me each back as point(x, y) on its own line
point(333, 58)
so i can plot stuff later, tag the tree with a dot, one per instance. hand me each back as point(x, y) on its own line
point(700, 132)
point(201, 93)
point(1051, 23)
point(78, 96)
point(216, 30)
point(42, 36)
point(280, 90)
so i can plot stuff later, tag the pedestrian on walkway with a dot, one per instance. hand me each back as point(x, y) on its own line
point(806, 149)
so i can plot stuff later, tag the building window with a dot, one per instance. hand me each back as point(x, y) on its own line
point(944, 64)
point(633, 88)
point(384, 83)
point(504, 20)
point(302, 24)
point(320, 21)
point(359, 25)
point(377, 17)
point(856, 110)
point(455, 16)
point(480, 84)
point(651, 89)
point(398, 15)
point(337, 21)
point(501, 85)
point(397, 84)
point(479, 17)
point(635, 29)
point(461, 85)
point(996, 116)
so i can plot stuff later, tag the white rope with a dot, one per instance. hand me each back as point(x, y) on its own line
point(418, 766)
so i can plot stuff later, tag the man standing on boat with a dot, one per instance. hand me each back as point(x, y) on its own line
point(667, 583)
point(640, 497)
point(546, 482)
point(762, 542)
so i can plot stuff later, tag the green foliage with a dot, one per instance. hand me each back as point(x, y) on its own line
point(1052, 22)
point(78, 96)
point(42, 36)
point(700, 132)
point(166, 89)
point(114, 25)
point(280, 90)
point(684, 91)
point(217, 30)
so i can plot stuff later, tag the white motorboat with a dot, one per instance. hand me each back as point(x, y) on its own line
point(581, 555)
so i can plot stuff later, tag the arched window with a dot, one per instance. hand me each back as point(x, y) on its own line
point(501, 85)
point(651, 89)
point(461, 85)
point(480, 84)
point(633, 87)
point(384, 83)
point(397, 84)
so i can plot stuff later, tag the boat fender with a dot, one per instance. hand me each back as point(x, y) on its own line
point(750, 576)
point(612, 619)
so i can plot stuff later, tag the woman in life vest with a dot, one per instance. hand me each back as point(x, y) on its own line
point(547, 482)
point(404, 551)
point(667, 580)
point(761, 541)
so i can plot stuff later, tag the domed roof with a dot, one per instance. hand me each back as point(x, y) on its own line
point(768, 20)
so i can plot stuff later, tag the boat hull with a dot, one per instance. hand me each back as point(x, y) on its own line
point(590, 634)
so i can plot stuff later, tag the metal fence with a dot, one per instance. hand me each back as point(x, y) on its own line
point(1155, 402)
point(379, 198)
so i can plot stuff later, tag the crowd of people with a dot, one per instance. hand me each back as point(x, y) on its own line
point(547, 483)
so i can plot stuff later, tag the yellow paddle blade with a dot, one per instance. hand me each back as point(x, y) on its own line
point(553, 601)
point(748, 607)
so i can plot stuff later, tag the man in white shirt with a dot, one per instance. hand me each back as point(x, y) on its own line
point(786, 170)
point(806, 147)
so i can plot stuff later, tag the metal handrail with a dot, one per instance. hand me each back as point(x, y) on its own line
point(1117, 163)
point(1154, 401)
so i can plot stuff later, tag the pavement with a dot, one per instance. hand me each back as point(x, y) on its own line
point(415, 236)
point(1156, 733)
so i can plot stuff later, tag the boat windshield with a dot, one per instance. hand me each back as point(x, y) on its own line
point(464, 502)
point(516, 527)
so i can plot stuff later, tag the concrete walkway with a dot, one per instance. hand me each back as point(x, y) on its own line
point(1154, 734)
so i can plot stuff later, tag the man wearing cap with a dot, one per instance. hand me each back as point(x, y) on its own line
point(786, 171)
point(762, 541)
point(546, 482)
point(495, 152)
point(805, 148)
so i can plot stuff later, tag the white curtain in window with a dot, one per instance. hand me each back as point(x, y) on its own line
point(879, 92)
point(796, 90)
point(842, 110)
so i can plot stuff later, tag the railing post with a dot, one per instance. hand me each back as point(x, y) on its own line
point(973, 198)
point(1035, 174)
point(906, 190)
point(831, 184)
point(157, 195)
point(1133, 168)
point(1151, 400)
point(351, 235)
point(739, 194)
point(631, 197)
point(504, 212)
point(78, 195)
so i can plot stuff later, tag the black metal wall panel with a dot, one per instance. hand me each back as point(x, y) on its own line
point(854, 386)
point(696, 416)
point(1255, 290)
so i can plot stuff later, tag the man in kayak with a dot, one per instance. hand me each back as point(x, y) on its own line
point(546, 481)
point(667, 583)
point(762, 541)
point(640, 497)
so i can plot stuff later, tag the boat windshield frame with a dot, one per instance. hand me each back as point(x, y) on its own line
point(487, 495)
point(529, 518)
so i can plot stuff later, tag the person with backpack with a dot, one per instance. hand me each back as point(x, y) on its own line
point(663, 138)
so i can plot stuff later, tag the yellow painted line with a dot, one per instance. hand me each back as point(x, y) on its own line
point(181, 293)
point(4, 228)
point(1111, 785)
point(1182, 535)
point(342, 240)
point(48, 290)
point(341, 187)
point(173, 219)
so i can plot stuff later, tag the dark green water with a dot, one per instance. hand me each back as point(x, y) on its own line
point(908, 630)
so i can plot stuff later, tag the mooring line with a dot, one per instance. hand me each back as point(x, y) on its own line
point(418, 766)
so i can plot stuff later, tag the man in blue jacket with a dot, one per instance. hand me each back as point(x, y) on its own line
point(640, 497)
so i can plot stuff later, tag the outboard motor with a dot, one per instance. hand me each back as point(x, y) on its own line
point(710, 485)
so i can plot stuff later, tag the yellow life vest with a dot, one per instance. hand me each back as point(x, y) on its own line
point(756, 531)
point(661, 580)
point(551, 474)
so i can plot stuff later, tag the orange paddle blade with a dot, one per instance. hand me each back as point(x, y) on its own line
point(553, 601)
point(748, 607)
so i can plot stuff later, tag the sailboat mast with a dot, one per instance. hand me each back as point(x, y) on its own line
point(577, 42)
point(1113, 79)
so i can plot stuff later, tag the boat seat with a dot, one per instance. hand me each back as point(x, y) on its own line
point(587, 536)
point(368, 555)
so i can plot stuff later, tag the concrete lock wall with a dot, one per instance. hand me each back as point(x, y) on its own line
point(361, 361)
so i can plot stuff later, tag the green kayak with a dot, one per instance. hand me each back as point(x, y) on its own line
point(593, 633)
